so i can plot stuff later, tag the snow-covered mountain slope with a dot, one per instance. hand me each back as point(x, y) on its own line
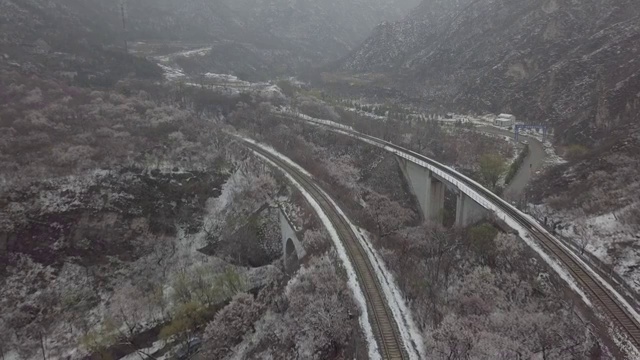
point(566, 63)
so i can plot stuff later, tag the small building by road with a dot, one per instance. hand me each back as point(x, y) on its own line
point(505, 120)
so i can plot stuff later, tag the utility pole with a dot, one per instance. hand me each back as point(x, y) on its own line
point(42, 345)
point(124, 26)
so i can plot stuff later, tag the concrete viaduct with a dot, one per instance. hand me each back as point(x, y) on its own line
point(429, 188)
point(427, 180)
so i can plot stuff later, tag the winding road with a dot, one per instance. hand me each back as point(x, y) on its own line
point(532, 163)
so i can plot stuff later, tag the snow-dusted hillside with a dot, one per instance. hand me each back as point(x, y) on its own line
point(568, 64)
point(571, 65)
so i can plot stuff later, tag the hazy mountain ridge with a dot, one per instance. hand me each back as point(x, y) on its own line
point(327, 29)
point(331, 27)
point(568, 64)
point(571, 65)
point(67, 40)
point(296, 34)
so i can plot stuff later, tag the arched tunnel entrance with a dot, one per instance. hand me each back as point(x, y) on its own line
point(291, 261)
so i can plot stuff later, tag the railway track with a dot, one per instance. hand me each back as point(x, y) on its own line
point(599, 293)
point(595, 289)
point(383, 324)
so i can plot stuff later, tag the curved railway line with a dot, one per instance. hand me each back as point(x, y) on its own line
point(385, 329)
point(599, 293)
point(595, 289)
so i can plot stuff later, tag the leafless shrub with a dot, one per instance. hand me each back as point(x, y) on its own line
point(230, 324)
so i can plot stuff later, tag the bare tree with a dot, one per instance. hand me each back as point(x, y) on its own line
point(491, 168)
point(388, 215)
point(230, 324)
point(615, 259)
point(164, 250)
point(128, 308)
point(43, 347)
point(585, 235)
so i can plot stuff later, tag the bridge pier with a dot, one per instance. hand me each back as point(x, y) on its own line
point(4, 245)
point(436, 213)
point(468, 211)
point(428, 189)
point(292, 248)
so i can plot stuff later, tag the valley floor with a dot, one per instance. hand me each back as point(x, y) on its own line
point(173, 240)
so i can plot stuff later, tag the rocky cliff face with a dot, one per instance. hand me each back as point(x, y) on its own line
point(573, 65)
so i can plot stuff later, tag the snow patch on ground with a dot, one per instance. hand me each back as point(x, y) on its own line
point(224, 84)
point(366, 114)
point(606, 222)
point(197, 52)
point(226, 78)
point(271, 91)
point(552, 158)
point(274, 152)
point(624, 343)
point(597, 276)
point(186, 53)
point(604, 232)
point(172, 73)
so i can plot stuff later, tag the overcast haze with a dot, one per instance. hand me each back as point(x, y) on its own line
point(331, 179)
